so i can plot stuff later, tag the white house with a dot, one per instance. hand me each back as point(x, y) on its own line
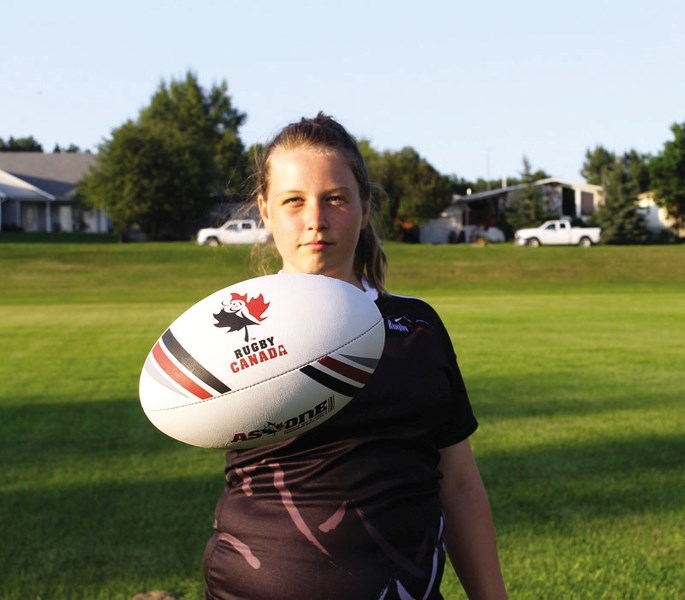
point(657, 217)
point(37, 193)
point(477, 215)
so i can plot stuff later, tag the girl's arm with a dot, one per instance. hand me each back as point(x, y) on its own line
point(469, 533)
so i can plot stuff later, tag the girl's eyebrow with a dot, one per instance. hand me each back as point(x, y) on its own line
point(334, 190)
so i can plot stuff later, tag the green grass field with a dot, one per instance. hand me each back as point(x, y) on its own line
point(574, 358)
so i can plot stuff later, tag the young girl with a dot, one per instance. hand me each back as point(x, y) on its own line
point(363, 506)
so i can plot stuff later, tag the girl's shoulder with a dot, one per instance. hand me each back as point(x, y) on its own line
point(408, 312)
point(415, 305)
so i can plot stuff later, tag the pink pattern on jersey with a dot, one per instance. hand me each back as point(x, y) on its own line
point(242, 548)
point(293, 512)
point(334, 520)
point(247, 480)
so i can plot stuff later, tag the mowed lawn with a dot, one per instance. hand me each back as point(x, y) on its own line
point(574, 359)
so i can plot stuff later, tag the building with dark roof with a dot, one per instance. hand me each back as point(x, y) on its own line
point(37, 193)
point(480, 214)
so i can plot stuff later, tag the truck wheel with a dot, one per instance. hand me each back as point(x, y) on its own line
point(533, 242)
point(585, 242)
point(212, 241)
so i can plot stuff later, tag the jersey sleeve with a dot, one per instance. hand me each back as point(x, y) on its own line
point(460, 421)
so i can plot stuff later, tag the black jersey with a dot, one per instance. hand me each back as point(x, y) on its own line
point(350, 509)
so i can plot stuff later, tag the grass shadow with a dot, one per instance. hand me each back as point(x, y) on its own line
point(565, 486)
point(124, 538)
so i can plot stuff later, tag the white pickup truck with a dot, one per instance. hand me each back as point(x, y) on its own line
point(235, 231)
point(557, 233)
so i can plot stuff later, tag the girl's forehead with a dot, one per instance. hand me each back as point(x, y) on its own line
point(299, 162)
point(288, 166)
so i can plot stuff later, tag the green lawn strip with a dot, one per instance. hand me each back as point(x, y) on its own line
point(35, 273)
point(77, 273)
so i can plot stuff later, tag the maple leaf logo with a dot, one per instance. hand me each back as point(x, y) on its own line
point(240, 312)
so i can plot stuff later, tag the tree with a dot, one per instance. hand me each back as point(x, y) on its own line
point(25, 144)
point(160, 171)
point(71, 149)
point(409, 190)
point(619, 216)
point(667, 170)
point(596, 165)
point(210, 120)
point(149, 176)
point(527, 207)
point(483, 185)
point(636, 165)
point(385, 207)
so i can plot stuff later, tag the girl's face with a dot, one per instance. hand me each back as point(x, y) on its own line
point(313, 210)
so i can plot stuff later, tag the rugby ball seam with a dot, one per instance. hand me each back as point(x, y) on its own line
point(270, 379)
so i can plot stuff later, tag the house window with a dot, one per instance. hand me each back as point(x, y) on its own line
point(587, 203)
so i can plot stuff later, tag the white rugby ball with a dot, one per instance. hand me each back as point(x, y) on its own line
point(261, 361)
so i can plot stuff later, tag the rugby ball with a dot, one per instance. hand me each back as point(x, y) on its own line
point(261, 361)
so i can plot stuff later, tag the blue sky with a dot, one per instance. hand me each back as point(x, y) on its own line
point(473, 87)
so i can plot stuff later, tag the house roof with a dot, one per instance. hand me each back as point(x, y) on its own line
point(569, 183)
point(54, 176)
point(540, 182)
point(18, 189)
point(486, 194)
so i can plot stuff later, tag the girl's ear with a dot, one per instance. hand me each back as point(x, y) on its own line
point(366, 212)
point(263, 210)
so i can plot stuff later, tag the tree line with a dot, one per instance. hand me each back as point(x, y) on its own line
point(30, 144)
point(163, 170)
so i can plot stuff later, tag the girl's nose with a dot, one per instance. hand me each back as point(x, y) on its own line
point(316, 216)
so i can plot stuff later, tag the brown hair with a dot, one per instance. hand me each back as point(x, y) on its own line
point(325, 134)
